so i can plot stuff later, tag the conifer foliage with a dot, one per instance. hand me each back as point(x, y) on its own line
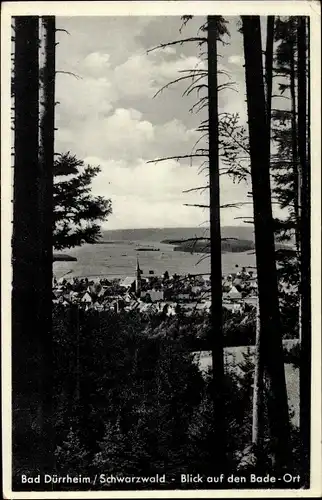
point(77, 212)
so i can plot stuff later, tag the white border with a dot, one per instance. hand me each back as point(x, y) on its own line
point(173, 8)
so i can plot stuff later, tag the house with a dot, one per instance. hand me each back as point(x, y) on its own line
point(251, 300)
point(233, 306)
point(87, 299)
point(234, 293)
point(156, 295)
point(73, 296)
point(183, 296)
point(127, 282)
point(172, 309)
point(206, 280)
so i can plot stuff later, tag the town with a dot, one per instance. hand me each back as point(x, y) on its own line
point(151, 294)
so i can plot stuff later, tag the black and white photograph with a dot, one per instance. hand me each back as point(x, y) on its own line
point(161, 175)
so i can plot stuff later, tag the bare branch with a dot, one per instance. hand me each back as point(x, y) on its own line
point(194, 70)
point(203, 258)
point(61, 29)
point(200, 188)
point(70, 73)
point(200, 41)
point(172, 83)
point(177, 158)
point(195, 205)
point(195, 87)
point(198, 141)
point(282, 97)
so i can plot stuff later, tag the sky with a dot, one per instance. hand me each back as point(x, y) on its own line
point(108, 115)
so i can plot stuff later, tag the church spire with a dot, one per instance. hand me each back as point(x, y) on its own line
point(138, 279)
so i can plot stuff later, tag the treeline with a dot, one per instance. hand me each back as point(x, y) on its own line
point(130, 400)
point(203, 246)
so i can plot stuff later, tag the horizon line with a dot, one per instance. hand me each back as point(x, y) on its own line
point(164, 227)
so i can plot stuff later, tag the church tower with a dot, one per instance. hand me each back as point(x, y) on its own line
point(138, 279)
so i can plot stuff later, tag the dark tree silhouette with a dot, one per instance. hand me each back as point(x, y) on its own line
point(271, 340)
point(216, 340)
point(305, 238)
point(45, 210)
point(26, 349)
point(76, 210)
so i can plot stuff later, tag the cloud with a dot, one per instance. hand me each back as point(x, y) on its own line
point(80, 99)
point(97, 86)
point(108, 117)
point(125, 134)
point(97, 62)
point(235, 59)
point(146, 194)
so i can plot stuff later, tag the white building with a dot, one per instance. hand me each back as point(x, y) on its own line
point(156, 295)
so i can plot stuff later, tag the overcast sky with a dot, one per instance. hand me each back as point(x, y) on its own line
point(108, 115)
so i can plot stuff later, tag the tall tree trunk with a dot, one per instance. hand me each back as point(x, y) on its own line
point(269, 71)
point(45, 207)
point(296, 170)
point(271, 339)
point(305, 263)
point(257, 421)
point(295, 161)
point(257, 424)
point(26, 390)
point(216, 339)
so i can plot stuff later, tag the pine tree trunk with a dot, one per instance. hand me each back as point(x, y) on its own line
point(296, 168)
point(216, 340)
point(26, 390)
point(269, 70)
point(271, 339)
point(305, 263)
point(45, 207)
point(257, 430)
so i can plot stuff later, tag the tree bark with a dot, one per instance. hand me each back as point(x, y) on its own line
point(296, 169)
point(45, 208)
point(216, 339)
point(26, 389)
point(257, 424)
point(305, 236)
point(257, 430)
point(271, 341)
point(269, 70)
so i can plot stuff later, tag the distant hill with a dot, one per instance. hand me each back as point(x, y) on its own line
point(242, 238)
point(203, 246)
point(176, 233)
point(60, 257)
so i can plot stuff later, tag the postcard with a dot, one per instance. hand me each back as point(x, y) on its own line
point(161, 312)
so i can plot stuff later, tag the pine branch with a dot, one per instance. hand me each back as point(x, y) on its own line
point(195, 205)
point(196, 189)
point(177, 158)
point(173, 82)
point(200, 41)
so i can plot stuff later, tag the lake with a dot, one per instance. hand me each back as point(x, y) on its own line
point(118, 256)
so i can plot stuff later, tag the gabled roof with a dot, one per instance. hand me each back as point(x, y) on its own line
point(87, 298)
point(128, 281)
point(233, 292)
